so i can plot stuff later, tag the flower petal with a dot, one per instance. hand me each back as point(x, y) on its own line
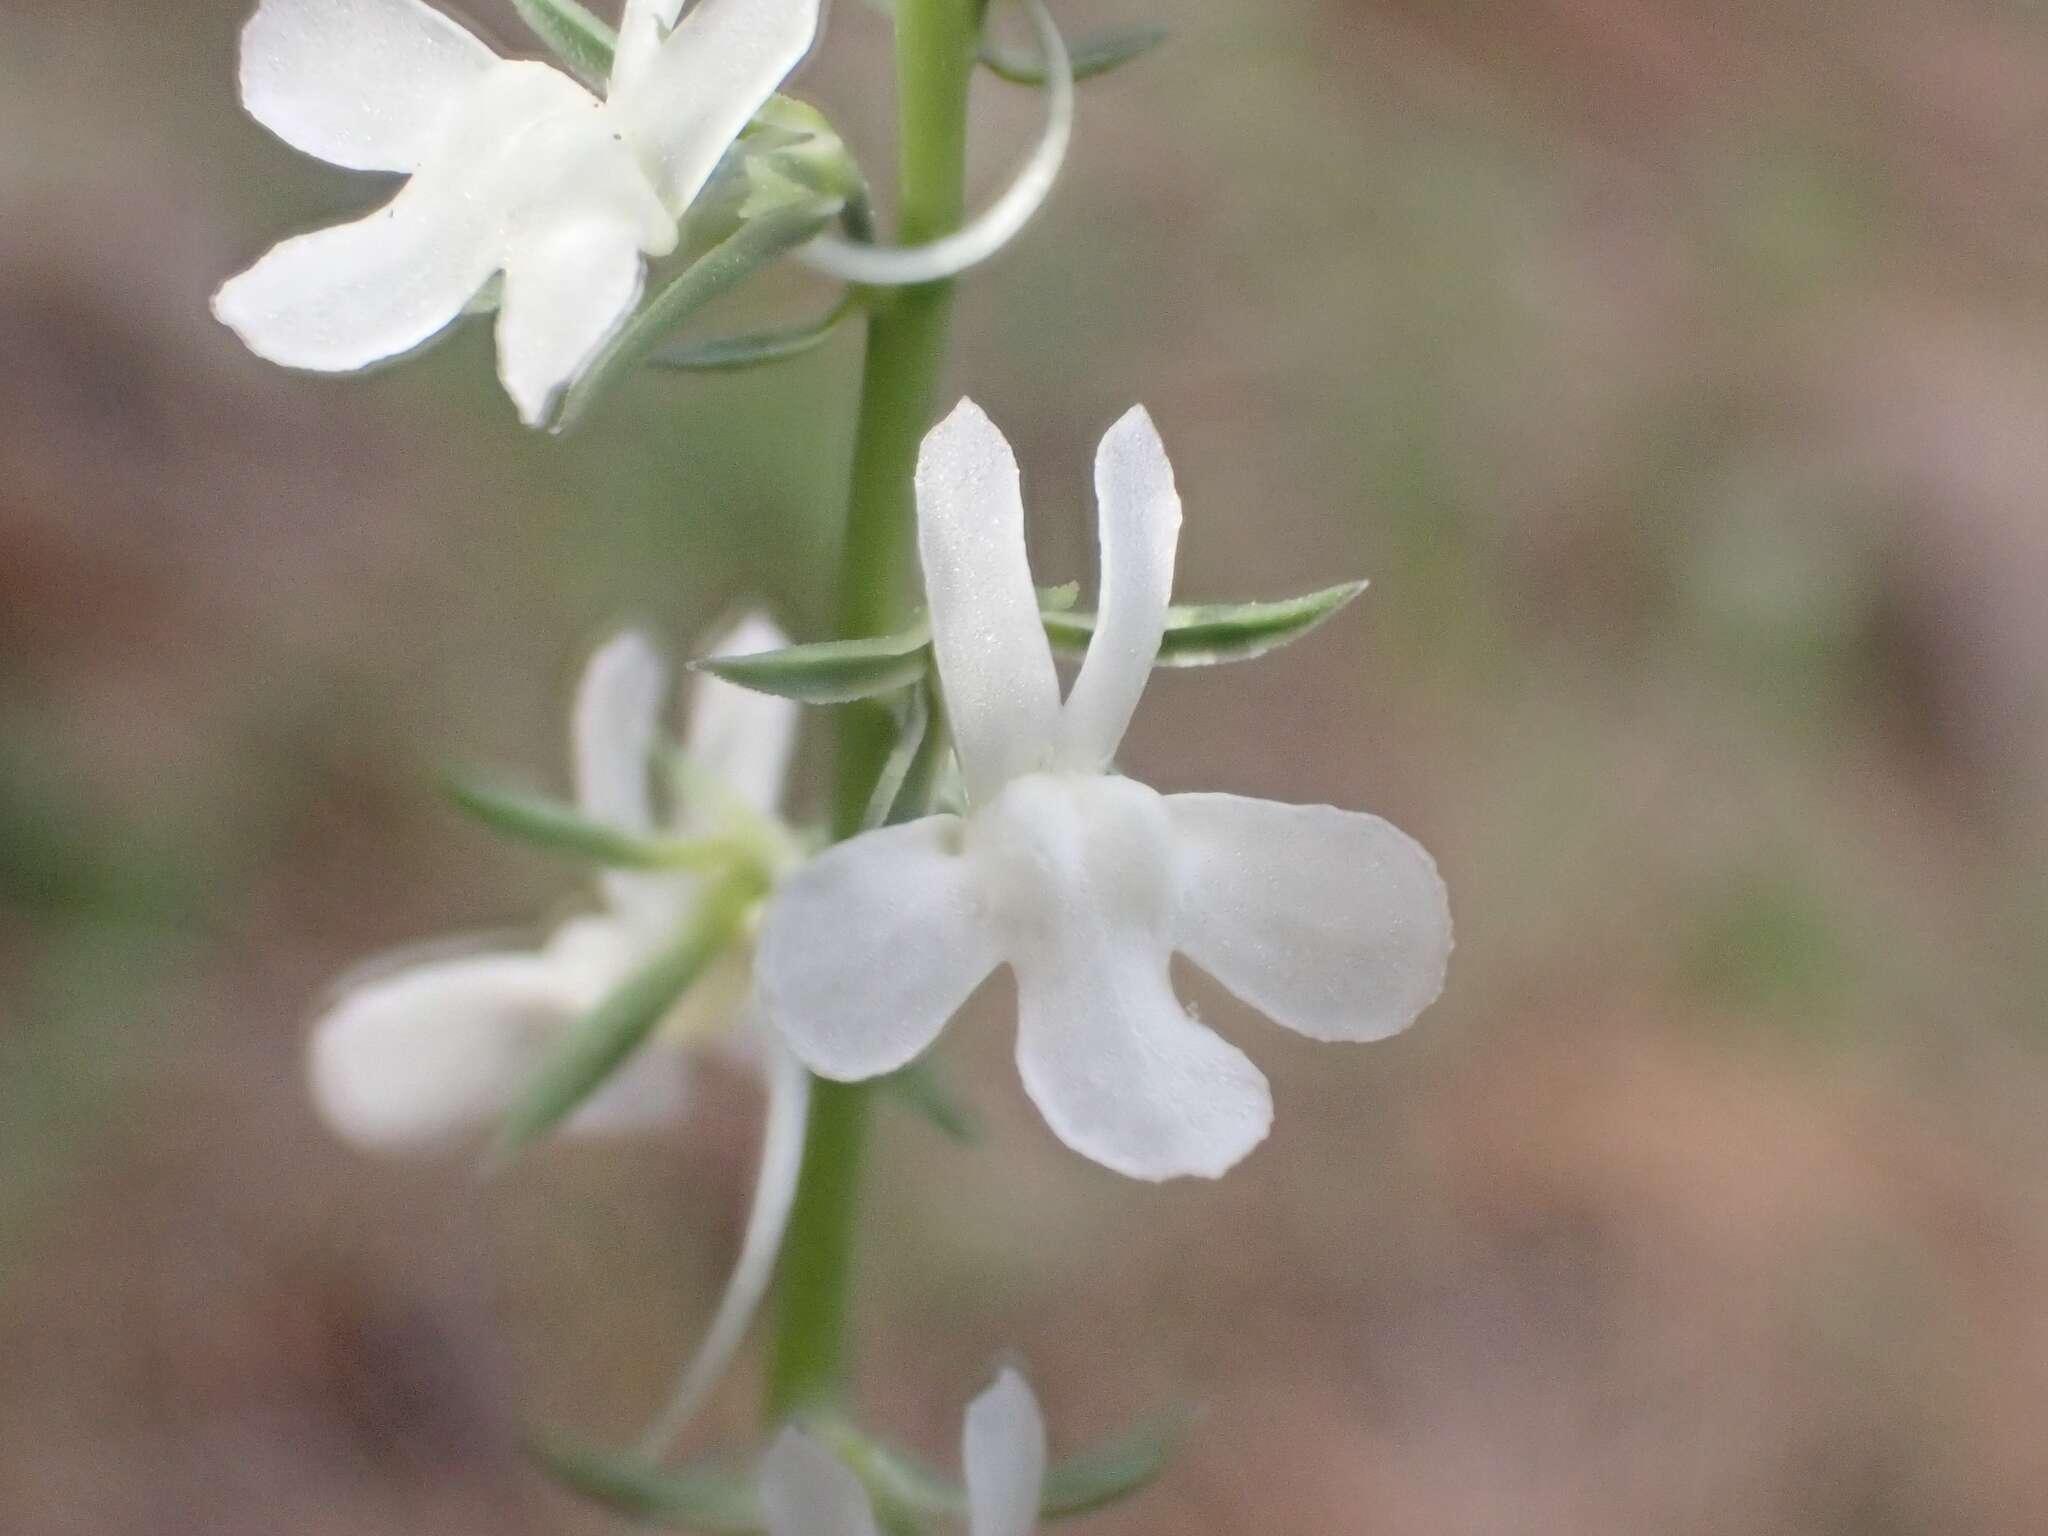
point(1333, 922)
point(705, 83)
point(568, 289)
point(428, 1049)
point(807, 1491)
point(528, 149)
point(361, 83)
point(1120, 1071)
point(868, 950)
point(613, 731)
point(741, 737)
point(355, 294)
point(1138, 514)
point(641, 28)
point(1003, 1450)
point(1077, 872)
point(594, 953)
point(435, 1049)
point(995, 665)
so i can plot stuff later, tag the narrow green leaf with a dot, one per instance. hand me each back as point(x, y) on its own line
point(1091, 56)
point(1197, 634)
point(918, 791)
point(1114, 1470)
point(913, 732)
point(623, 1021)
point(709, 1499)
point(1204, 634)
point(561, 828)
point(573, 35)
point(829, 671)
point(753, 245)
point(901, 1485)
point(921, 1087)
point(753, 349)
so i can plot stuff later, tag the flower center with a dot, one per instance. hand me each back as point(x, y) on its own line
point(1056, 848)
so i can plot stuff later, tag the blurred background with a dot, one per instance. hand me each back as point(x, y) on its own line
point(1678, 372)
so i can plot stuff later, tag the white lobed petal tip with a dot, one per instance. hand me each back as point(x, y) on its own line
point(1003, 1446)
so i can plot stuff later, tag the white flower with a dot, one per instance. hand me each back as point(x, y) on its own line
point(1085, 883)
point(443, 1046)
point(807, 1491)
point(514, 167)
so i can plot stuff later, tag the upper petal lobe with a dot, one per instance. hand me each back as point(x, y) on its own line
point(742, 738)
point(994, 662)
point(362, 83)
point(688, 103)
point(1138, 522)
point(1002, 1448)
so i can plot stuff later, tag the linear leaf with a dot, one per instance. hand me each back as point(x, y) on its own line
point(1197, 634)
point(617, 1027)
point(753, 349)
point(830, 671)
point(573, 35)
point(1114, 1470)
point(561, 828)
point(1091, 57)
point(925, 778)
point(1204, 634)
point(710, 1499)
point(913, 735)
point(753, 245)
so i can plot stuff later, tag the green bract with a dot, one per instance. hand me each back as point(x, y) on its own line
point(618, 1025)
point(831, 671)
point(1091, 56)
point(1204, 634)
point(714, 1500)
point(910, 777)
point(561, 828)
point(1197, 635)
point(754, 349)
point(1114, 1470)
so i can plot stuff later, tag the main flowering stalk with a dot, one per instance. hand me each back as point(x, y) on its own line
point(936, 42)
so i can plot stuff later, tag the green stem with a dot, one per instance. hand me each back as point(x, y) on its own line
point(906, 343)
